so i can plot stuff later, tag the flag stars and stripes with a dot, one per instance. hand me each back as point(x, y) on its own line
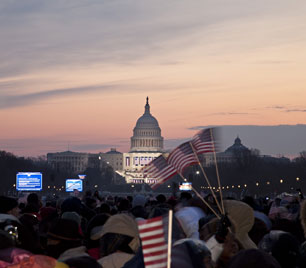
point(203, 141)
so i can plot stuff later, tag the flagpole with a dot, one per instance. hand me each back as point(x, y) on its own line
point(169, 238)
point(206, 203)
point(202, 199)
point(217, 171)
point(205, 176)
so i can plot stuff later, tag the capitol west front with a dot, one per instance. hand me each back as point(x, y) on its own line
point(146, 145)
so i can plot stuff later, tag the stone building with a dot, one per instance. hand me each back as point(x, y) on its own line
point(113, 158)
point(146, 145)
point(73, 162)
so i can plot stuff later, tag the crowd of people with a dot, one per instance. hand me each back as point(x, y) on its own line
point(102, 231)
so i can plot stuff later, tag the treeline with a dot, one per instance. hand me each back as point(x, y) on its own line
point(253, 174)
point(53, 179)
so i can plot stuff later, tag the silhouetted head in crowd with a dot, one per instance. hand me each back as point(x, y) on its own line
point(130, 198)
point(71, 204)
point(9, 205)
point(33, 199)
point(191, 253)
point(283, 246)
point(63, 235)
point(161, 199)
point(139, 201)
point(91, 202)
point(88, 193)
point(124, 205)
point(253, 258)
point(185, 198)
point(104, 208)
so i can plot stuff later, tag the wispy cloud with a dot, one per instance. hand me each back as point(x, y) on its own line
point(277, 107)
point(232, 113)
point(296, 110)
point(272, 62)
point(287, 109)
point(38, 34)
point(11, 101)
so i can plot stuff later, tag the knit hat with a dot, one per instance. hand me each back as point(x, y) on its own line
point(72, 216)
point(139, 200)
point(7, 204)
point(65, 229)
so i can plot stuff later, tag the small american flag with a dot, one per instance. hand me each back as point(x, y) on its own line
point(182, 157)
point(203, 142)
point(159, 169)
point(153, 241)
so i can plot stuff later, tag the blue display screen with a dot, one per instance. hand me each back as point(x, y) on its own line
point(74, 184)
point(29, 181)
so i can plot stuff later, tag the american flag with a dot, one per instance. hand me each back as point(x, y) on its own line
point(203, 142)
point(159, 169)
point(154, 247)
point(182, 157)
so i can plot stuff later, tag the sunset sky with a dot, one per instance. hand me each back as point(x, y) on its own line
point(76, 73)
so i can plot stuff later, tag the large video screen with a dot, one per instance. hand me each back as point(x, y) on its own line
point(185, 186)
point(74, 184)
point(29, 181)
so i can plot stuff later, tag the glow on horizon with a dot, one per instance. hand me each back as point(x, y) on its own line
point(83, 84)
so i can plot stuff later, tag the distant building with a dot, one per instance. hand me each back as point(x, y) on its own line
point(147, 134)
point(273, 160)
point(229, 155)
point(235, 151)
point(146, 145)
point(113, 158)
point(73, 162)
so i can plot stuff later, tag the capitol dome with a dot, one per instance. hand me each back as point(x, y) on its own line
point(147, 133)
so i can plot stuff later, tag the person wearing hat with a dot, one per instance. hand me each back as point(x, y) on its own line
point(283, 246)
point(138, 207)
point(93, 234)
point(9, 205)
point(65, 240)
point(191, 253)
point(119, 241)
point(10, 223)
point(224, 244)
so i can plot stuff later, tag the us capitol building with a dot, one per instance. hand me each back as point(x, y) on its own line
point(146, 145)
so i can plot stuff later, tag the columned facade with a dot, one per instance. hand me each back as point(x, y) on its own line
point(147, 133)
point(146, 145)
